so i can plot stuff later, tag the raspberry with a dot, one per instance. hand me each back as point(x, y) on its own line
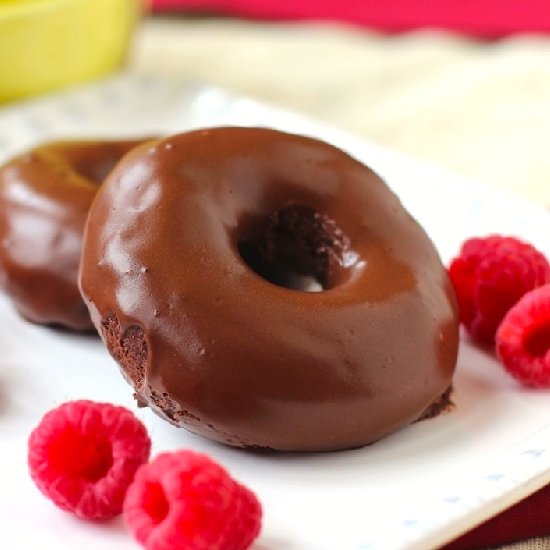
point(83, 456)
point(490, 275)
point(523, 339)
point(184, 500)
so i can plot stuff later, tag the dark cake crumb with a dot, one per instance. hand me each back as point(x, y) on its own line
point(297, 242)
point(443, 405)
point(130, 351)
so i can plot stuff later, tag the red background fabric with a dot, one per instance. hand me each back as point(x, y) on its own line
point(487, 18)
point(528, 519)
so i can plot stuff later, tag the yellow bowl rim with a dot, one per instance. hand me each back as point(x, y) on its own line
point(31, 8)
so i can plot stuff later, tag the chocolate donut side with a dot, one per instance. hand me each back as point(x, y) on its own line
point(174, 273)
point(45, 195)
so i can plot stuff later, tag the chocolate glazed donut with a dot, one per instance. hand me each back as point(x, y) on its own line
point(198, 254)
point(45, 196)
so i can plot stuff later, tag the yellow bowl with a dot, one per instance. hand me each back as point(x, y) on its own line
point(47, 44)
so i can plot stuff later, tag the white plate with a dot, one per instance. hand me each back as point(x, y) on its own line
point(414, 490)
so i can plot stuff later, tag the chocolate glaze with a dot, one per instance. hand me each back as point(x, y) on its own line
point(45, 196)
point(177, 250)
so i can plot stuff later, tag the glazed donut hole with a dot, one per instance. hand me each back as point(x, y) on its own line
point(94, 169)
point(95, 164)
point(299, 248)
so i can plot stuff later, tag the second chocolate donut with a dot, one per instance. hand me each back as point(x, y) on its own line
point(45, 195)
